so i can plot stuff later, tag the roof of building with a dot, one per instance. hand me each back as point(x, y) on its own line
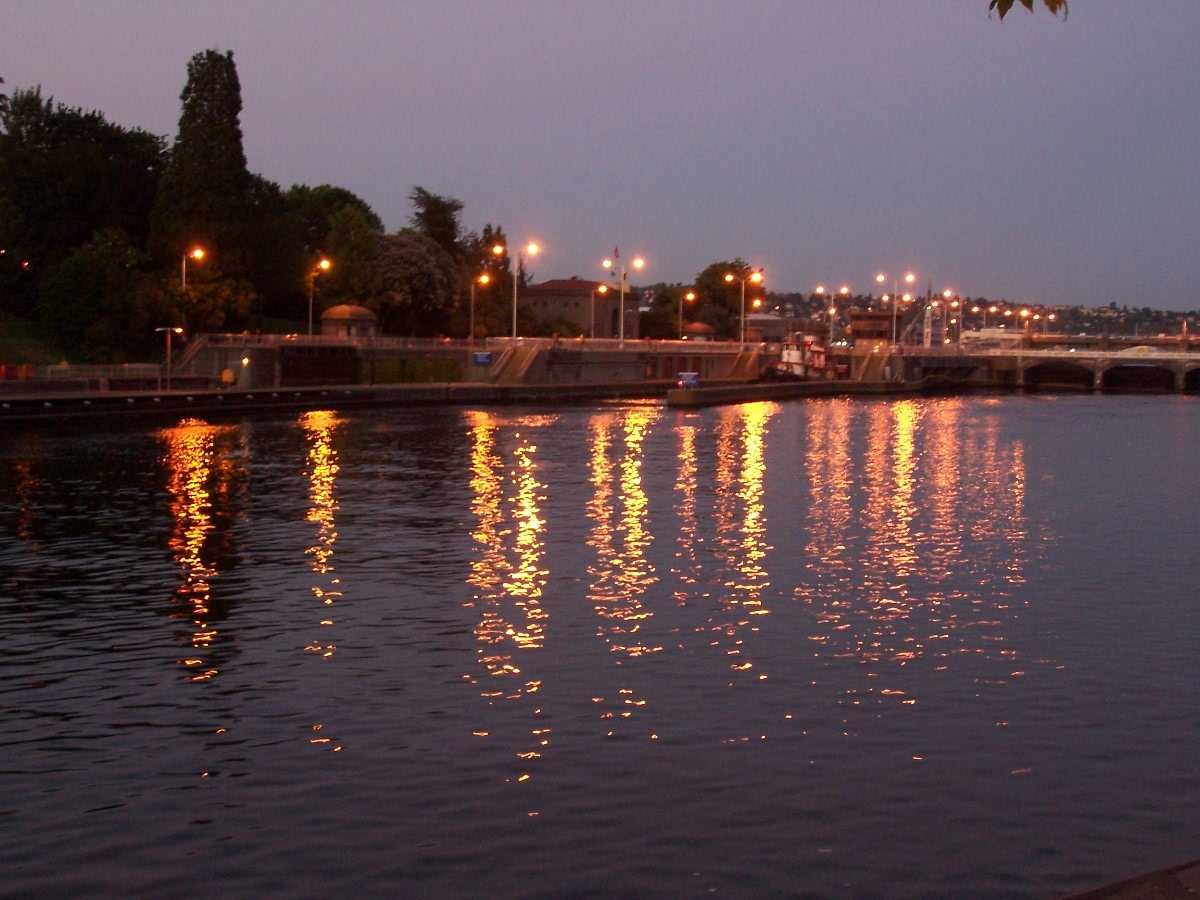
point(347, 311)
point(575, 285)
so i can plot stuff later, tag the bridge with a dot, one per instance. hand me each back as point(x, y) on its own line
point(1059, 362)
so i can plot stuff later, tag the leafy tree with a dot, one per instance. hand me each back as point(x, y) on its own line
point(662, 321)
point(314, 207)
point(719, 302)
point(418, 284)
point(205, 194)
point(437, 218)
point(100, 305)
point(64, 175)
point(353, 247)
point(1003, 6)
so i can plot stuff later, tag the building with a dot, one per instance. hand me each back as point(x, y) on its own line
point(591, 306)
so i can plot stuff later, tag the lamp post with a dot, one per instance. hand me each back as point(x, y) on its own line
point(596, 289)
point(481, 279)
point(170, 330)
point(689, 297)
point(756, 276)
point(197, 254)
point(638, 262)
point(909, 278)
point(322, 266)
point(532, 250)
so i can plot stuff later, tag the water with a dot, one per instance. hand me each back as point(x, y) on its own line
point(924, 648)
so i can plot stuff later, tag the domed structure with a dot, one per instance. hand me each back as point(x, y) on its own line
point(697, 331)
point(345, 320)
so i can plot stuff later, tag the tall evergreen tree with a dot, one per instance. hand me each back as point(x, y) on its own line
point(205, 194)
point(437, 218)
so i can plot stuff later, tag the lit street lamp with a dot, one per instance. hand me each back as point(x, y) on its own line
point(482, 279)
point(755, 276)
point(532, 250)
point(322, 266)
point(689, 296)
point(638, 262)
point(170, 330)
point(196, 254)
point(601, 289)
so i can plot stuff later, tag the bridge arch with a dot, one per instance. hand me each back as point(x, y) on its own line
point(1058, 375)
point(1138, 376)
point(1191, 379)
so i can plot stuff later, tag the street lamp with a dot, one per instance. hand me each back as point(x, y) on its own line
point(532, 250)
point(482, 279)
point(909, 279)
point(196, 254)
point(596, 289)
point(322, 266)
point(638, 262)
point(170, 330)
point(689, 297)
point(755, 276)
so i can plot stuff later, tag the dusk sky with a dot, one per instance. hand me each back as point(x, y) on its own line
point(1035, 160)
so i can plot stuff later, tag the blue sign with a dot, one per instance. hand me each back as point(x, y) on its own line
point(482, 357)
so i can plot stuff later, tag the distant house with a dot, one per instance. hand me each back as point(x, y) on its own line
point(590, 305)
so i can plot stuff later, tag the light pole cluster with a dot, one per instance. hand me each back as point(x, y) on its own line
point(909, 278)
point(638, 262)
point(755, 276)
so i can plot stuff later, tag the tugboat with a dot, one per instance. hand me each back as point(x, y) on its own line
point(802, 358)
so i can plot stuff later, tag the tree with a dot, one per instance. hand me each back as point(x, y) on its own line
point(204, 197)
point(719, 302)
point(66, 174)
point(418, 284)
point(437, 218)
point(1003, 6)
point(353, 246)
point(314, 207)
point(101, 305)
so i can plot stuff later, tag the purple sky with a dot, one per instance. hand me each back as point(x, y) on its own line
point(1034, 160)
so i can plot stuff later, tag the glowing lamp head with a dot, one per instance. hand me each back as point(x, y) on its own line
point(532, 249)
point(484, 279)
point(607, 263)
point(690, 295)
point(198, 253)
point(638, 263)
point(498, 250)
point(756, 277)
point(324, 265)
point(728, 276)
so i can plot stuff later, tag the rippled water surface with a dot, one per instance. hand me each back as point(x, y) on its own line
point(925, 648)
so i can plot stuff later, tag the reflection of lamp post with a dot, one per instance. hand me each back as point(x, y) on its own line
point(170, 330)
point(322, 266)
point(756, 277)
point(196, 254)
point(638, 262)
point(689, 296)
point(532, 250)
point(909, 278)
point(596, 289)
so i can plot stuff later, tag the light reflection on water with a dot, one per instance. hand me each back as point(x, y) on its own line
point(758, 650)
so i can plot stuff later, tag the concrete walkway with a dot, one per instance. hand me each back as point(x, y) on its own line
point(1166, 884)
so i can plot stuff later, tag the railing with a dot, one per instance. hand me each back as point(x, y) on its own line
point(129, 370)
point(413, 343)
